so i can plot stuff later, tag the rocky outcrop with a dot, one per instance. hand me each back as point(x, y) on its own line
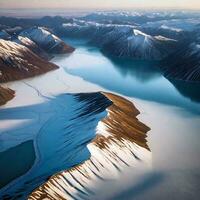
point(6, 94)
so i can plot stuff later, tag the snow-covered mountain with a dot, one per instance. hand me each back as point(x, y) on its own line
point(175, 29)
point(176, 25)
point(32, 46)
point(145, 35)
point(110, 33)
point(122, 40)
point(22, 57)
point(84, 29)
point(139, 45)
point(46, 40)
point(17, 62)
point(184, 63)
point(121, 17)
point(136, 17)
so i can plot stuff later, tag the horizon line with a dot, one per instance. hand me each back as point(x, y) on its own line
point(103, 8)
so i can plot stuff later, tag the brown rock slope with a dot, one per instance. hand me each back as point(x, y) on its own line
point(120, 142)
point(122, 122)
point(6, 94)
point(18, 62)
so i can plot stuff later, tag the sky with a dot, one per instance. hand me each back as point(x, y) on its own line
point(100, 4)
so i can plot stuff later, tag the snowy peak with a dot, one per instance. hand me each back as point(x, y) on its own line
point(122, 40)
point(26, 41)
point(46, 40)
point(32, 46)
point(140, 33)
point(40, 35)
point(171, 28)
point(139, 45)
point(139, 38)
point(11, 48)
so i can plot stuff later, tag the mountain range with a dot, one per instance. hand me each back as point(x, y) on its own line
point(170, 39)
point(27, 54)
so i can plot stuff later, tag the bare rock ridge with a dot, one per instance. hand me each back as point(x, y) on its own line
point(120, 142)
point(6, 94)
point(130, 127)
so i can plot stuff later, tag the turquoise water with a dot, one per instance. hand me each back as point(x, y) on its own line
point(60, 143)
point(140, 79)
point(16, 162)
